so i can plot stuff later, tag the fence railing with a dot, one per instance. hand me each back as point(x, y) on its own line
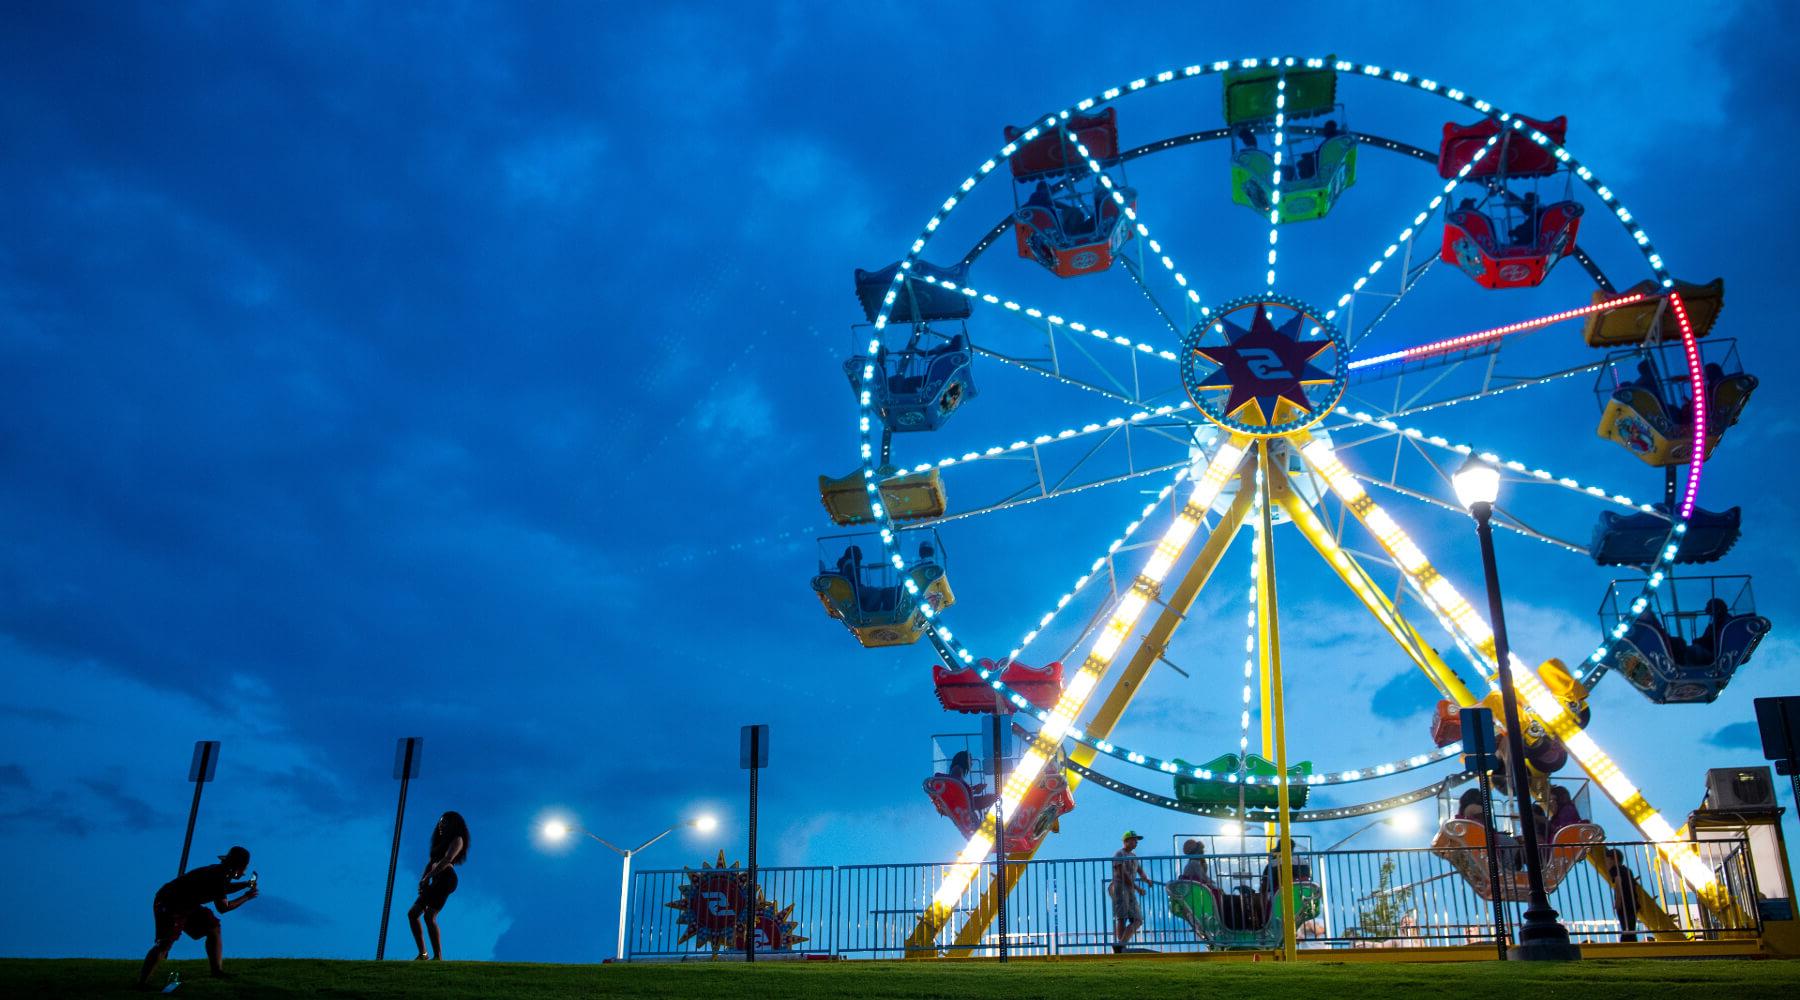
point(1368, 898)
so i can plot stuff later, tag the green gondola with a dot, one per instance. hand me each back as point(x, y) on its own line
point(1218, 788)
point(1223, 922)
point(1250, 93)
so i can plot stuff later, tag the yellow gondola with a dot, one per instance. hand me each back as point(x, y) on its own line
point(908, 497)
point(1633, 324)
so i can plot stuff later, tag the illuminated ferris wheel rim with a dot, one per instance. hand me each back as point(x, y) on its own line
point(1459, 618)
point(883, 521)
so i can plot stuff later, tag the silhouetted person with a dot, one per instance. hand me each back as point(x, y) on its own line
point(1625, 889)
point(1331, 127)
point(1247, 137)
point(180, 908)
point(1705, 649)
point(1195, 870)
point(449, 848)
point(979, 798)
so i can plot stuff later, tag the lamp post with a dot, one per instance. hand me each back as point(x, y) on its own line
point(1541, 936)
point(557, 830)
point(1404, 822)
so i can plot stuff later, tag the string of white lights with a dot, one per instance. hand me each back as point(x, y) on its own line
point(1437, 201)
point(1541, 475)
point(1250, 635)
point(1143, 231)
point(1080, 585)
point(1275, 175)
point(1038, 440)
point(1048, 317)
point(1112, 784)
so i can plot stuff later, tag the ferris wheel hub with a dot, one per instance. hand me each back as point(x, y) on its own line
point(1265, 365)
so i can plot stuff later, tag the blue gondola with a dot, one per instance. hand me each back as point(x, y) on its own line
point(873, 599)
point(916, 389)
point(915, 301)
point(1676, 656)
point(1637, 539)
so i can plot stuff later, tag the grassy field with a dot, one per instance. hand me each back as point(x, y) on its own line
point(1104, 980)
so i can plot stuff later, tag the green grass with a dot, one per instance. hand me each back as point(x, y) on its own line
point(1105, 980)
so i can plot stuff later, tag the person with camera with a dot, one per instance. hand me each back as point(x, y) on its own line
point(180, 907)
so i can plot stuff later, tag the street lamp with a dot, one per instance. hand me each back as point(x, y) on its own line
point(557, 830)
point(1541, 936)
point(1405, 822)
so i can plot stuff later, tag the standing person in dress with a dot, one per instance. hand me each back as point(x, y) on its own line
point(1127, 892)
point(180, 907)
point(449, 848)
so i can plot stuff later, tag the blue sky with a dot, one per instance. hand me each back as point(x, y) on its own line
point(463, 371)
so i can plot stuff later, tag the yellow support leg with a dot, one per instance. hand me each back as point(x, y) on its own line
point(1228, 461)
point(1269, 639)
point(1119, 697)
point(1536, 701)
point(1348, 569)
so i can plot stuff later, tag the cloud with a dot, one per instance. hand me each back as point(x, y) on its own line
point(1407, 695)
point(556, 170)
point(1737, 736)
point(130, 812)
point(13, 776)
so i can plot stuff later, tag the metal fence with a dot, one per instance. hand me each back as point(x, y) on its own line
point(1373, 898)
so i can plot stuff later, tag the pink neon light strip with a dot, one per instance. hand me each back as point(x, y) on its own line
point(1697, 375)
point(1471, 339)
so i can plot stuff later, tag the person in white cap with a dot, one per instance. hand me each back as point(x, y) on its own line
point(1127, 893)
point(180, 907)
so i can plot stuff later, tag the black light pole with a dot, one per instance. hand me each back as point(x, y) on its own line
point(1541, 936)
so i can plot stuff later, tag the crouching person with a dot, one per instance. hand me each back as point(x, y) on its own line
point(180, 908)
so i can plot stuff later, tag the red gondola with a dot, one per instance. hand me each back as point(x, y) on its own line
point(1514, 156)
point(964, 690)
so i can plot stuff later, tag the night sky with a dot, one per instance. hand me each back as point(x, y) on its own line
point(464, 371)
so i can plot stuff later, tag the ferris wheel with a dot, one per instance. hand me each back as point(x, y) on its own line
point(1280, 407)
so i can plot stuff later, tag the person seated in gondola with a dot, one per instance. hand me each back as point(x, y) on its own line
point(1075, 221)
point(1271, 873)
point(1040, 195)
point(1247, 137)
point(1525, 233)
point(849, 566)
point(1705, 649)
point(1566, 814)
point(1469, 806)
point(1195, 870)
point(1308, 165)
point(980, 799)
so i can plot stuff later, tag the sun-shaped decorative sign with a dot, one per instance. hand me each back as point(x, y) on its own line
point(712, 904)
point(1264, 365)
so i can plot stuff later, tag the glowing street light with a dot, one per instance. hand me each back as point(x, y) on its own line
point(1405, 822)
point(1541, 935)
point(556, 830)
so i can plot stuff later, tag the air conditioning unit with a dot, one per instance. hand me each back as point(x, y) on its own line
point(1739, 788)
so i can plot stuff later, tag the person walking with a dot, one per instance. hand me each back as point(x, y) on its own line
point(180, 908)
point(1127, 892)
point(449, 848)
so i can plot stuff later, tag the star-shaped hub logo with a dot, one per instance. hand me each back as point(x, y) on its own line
point(1264, 365)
